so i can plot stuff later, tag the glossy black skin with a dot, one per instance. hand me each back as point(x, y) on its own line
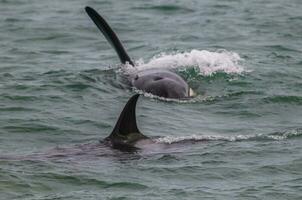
point(161, 83)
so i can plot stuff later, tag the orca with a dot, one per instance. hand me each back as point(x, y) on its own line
point(159, 82)
point(125, 134)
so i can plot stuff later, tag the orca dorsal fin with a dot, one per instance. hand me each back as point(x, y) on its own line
point(125, 130)
point(109, 34)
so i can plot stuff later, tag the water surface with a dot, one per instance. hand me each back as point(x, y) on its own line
point(61, 91)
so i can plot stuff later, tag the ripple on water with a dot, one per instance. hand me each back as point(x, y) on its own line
point(257, 137)
point(166, 9)
point(17, 109)
point(284, 99)
point(29, 98)
point(30, 128)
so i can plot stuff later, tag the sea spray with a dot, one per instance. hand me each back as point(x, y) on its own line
point(232, 138)
point(205, 62)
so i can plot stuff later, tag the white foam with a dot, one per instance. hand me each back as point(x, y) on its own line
point(274, 136)
point(206, 62)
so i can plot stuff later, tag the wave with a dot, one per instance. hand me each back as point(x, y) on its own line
point(165, 8)
point(256, 137)
point(196, 99)
point(284, 99)
point(205, 62)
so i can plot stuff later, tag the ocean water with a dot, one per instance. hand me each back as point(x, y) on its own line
point(61, 91)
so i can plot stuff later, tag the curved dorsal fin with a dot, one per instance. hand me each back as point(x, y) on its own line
point(109, 34)
point(125, 130)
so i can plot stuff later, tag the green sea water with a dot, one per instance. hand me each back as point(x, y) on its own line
point(61, 91)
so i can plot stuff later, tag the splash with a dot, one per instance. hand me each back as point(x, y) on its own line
point(196, 99)
point(205, 62)
point(257, 137)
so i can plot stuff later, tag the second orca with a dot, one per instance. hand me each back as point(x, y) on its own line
point(159, 82)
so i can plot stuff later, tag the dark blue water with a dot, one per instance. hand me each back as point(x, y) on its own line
point(61, 91)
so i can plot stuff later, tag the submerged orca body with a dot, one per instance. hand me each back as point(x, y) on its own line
point(159, 82)
point(125, 134)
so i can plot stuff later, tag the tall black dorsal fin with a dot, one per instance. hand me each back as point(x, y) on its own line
point(109, 34)
point(125, 130)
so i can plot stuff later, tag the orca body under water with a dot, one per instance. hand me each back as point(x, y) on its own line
point(159, 82)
